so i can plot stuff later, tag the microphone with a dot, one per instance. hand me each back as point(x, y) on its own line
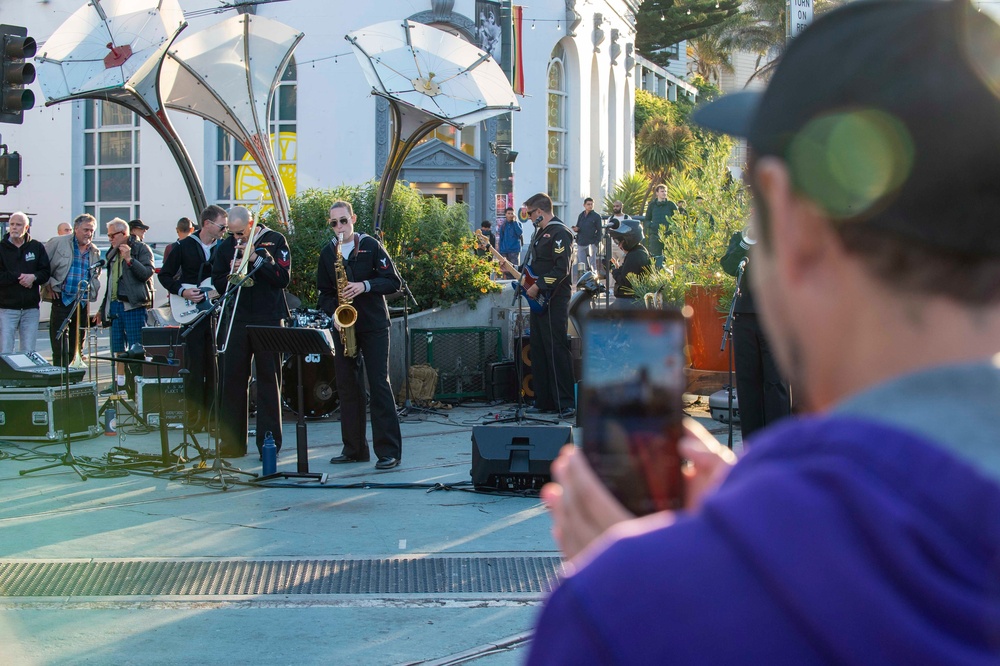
point(743, 264)
point(99, 264)
point(613, 224)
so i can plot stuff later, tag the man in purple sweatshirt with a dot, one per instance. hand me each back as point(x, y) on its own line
point(867, 532)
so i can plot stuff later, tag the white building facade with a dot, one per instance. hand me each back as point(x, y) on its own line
point(573, 136)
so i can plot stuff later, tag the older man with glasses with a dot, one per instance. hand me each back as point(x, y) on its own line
point(261, 303)
point(371, 276)
point(129, 292)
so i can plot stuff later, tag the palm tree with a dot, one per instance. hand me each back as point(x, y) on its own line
point(709, 57)
point(663, 148)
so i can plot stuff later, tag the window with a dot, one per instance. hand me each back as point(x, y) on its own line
point(110, 161)
point(558, 98)
point(464, 139)
point(238, 180)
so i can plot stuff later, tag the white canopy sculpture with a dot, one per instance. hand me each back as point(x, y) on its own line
point(112, 50)
point(429, 77)
point(227, 73)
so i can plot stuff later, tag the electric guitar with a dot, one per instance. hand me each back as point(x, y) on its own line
point(522, 282)
point(184, 310)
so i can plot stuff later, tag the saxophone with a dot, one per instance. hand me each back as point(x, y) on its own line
point(345, 315)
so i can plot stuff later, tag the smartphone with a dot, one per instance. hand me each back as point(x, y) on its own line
point(631, 405)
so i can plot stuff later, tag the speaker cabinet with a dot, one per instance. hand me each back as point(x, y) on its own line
point(515, 457)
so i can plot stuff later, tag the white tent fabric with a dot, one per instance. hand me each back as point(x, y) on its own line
point(227, 74)
point(432, 70)
point(103, 44)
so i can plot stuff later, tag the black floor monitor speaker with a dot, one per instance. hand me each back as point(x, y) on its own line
point(515, 457)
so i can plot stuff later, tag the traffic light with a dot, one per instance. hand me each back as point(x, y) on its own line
point(10, 169)
point(15, 99)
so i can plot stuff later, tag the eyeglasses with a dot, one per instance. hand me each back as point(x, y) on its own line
point(339, 221)
point(531, 212)
point(115, 234)
point(216, 224)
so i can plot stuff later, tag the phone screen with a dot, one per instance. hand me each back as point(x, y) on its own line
point(631, 406)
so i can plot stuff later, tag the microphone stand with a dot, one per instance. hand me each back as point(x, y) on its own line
point(220, 468)
point(64, 438)
point(727, 335)
point(408, 406)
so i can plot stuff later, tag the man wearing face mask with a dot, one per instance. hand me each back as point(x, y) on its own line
point(549, 258)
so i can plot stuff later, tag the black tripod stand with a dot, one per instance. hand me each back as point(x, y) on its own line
point(220, 468)
point(67, 459)
point(519, 415)
point(408, 406)
point(727, 336)
point(168, 461)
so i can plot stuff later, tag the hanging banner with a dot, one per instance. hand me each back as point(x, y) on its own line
point(518, 80)
point(488, 30)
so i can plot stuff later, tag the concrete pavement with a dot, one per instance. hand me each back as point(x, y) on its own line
point(382, 525)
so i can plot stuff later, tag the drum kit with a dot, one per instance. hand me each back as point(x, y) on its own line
point(319, 380)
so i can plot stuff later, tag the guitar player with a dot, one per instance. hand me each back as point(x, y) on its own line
point(187, 272)
point(549, 257)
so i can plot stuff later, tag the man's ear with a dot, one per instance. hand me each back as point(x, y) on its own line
point(800, 234)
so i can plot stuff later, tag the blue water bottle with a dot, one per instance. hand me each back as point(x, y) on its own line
point(110, 421)
point(269, 455)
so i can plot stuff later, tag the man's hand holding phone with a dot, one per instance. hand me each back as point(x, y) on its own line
point(582, 508)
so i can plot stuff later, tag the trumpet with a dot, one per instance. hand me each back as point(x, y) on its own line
point(238, 272)
point(83, 289)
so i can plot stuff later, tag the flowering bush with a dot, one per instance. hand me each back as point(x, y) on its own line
point(438, 262)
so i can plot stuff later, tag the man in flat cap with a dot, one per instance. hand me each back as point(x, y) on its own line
point(867, 530)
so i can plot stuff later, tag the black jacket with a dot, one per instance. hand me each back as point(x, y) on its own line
point(29, 258)
point(588, 228)
point(135, 286)
point(635, 262)
point(730, 263)
point(264, 302)
point(369, 261)
point(550, 258)
point(186, 265)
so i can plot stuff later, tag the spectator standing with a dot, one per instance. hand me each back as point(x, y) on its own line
point(510, 241)
point(24, 267)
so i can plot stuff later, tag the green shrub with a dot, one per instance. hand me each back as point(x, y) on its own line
point(438, 262)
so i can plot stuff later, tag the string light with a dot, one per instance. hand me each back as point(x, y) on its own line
point(532, 24)
point(662, 17)
point(689, 12)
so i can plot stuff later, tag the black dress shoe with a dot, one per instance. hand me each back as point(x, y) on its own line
point(538, 410)
point(232, 453)
point(336, 460)
point(387, 463)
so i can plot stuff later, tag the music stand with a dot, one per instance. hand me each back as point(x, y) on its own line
point(298, 342)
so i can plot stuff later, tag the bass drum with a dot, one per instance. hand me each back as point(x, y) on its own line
point(319, 386)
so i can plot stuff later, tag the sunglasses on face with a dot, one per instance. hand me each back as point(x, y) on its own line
point(335, 221)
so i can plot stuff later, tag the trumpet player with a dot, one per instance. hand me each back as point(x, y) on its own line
point(369, 276)
point(74, 263)
point(262, 304)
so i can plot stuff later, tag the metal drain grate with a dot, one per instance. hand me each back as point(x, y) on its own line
point(431, 575)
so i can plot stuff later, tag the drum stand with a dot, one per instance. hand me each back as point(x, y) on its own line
point(408, 406)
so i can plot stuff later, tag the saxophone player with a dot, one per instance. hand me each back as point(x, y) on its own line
point(262, 304)
point(370, 276)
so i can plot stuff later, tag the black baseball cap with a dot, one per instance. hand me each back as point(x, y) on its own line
point(137, 224)
point(887, 113)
